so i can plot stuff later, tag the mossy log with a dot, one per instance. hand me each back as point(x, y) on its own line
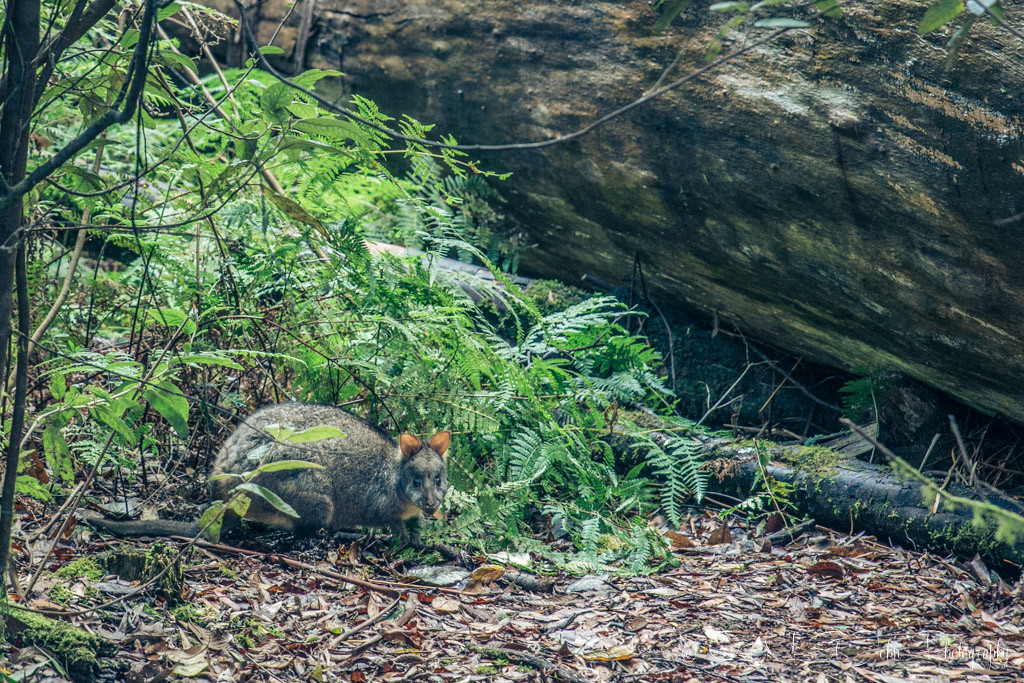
point(838, 192)
point(76, 650)
point(851, 495)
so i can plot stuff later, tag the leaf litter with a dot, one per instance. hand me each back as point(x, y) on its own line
point(826, 608)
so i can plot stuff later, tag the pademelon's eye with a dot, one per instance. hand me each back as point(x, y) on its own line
point(417, 482)
point(437, 480)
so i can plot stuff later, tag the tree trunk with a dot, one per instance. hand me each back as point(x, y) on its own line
point(20, 44)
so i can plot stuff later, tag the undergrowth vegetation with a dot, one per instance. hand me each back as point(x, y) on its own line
point(227, 265)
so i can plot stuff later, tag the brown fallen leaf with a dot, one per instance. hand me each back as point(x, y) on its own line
point(442, 603)
point(636, 623)
point(678, 541)
point(482, 577)
point(720, 535)
point(826, 570)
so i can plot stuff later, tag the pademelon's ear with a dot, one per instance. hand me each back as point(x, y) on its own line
point(410, 445)
point(440, 441)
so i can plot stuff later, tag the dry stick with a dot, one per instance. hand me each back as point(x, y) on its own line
point(305, 27)
point(363, 625)
point(727, 392)
point(386, 587)
point(969, 465)
point(294, 564)
point(931, 447)
point(57, 515)
point(803, 390)
point(412, 604)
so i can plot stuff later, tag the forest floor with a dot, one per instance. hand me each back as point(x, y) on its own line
point(827, 607)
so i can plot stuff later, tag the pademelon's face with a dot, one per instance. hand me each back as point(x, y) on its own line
point(423, 478)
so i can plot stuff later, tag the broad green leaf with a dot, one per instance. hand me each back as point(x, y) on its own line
point(58, 455)
point(830, 8)
point(294, 210)
point(316, 434)
point(106, 416)
point(240, 504)
point(58, 385)
point(129, 38)
point(86, 180)
point(222, 477)
point(177, 61)
point(730, 7)
point(168, 400)
point(269, 496)
point(307, 79)
point(299, 144)
point(940, 14)
point(781, 22)
point(172, 317)
point(767, 3)
point(274, 100)
point(168, 11)
point(280, 465)
point(212, 521)
point(306, 435)
point(670, 9)
point(258, 453)
point(304, 110)
point(271, 50)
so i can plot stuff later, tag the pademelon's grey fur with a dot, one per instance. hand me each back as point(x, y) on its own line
point(367, 478)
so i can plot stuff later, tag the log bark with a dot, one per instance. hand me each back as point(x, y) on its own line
point(836, 192)
point(854, 496)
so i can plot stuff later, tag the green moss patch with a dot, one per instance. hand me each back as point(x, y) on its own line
point(77, 650)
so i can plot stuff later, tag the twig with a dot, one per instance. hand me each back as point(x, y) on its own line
point(364, 624)
point(722, 398)
point(56, 515)
point(295, 564)
point(411, 606)
point(969, 465)
point(305, 27)
point(803, 390)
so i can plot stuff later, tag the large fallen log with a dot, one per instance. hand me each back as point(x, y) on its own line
point(836, 192)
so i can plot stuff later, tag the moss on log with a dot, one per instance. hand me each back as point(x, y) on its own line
point(851, 496)
point(76, 650)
